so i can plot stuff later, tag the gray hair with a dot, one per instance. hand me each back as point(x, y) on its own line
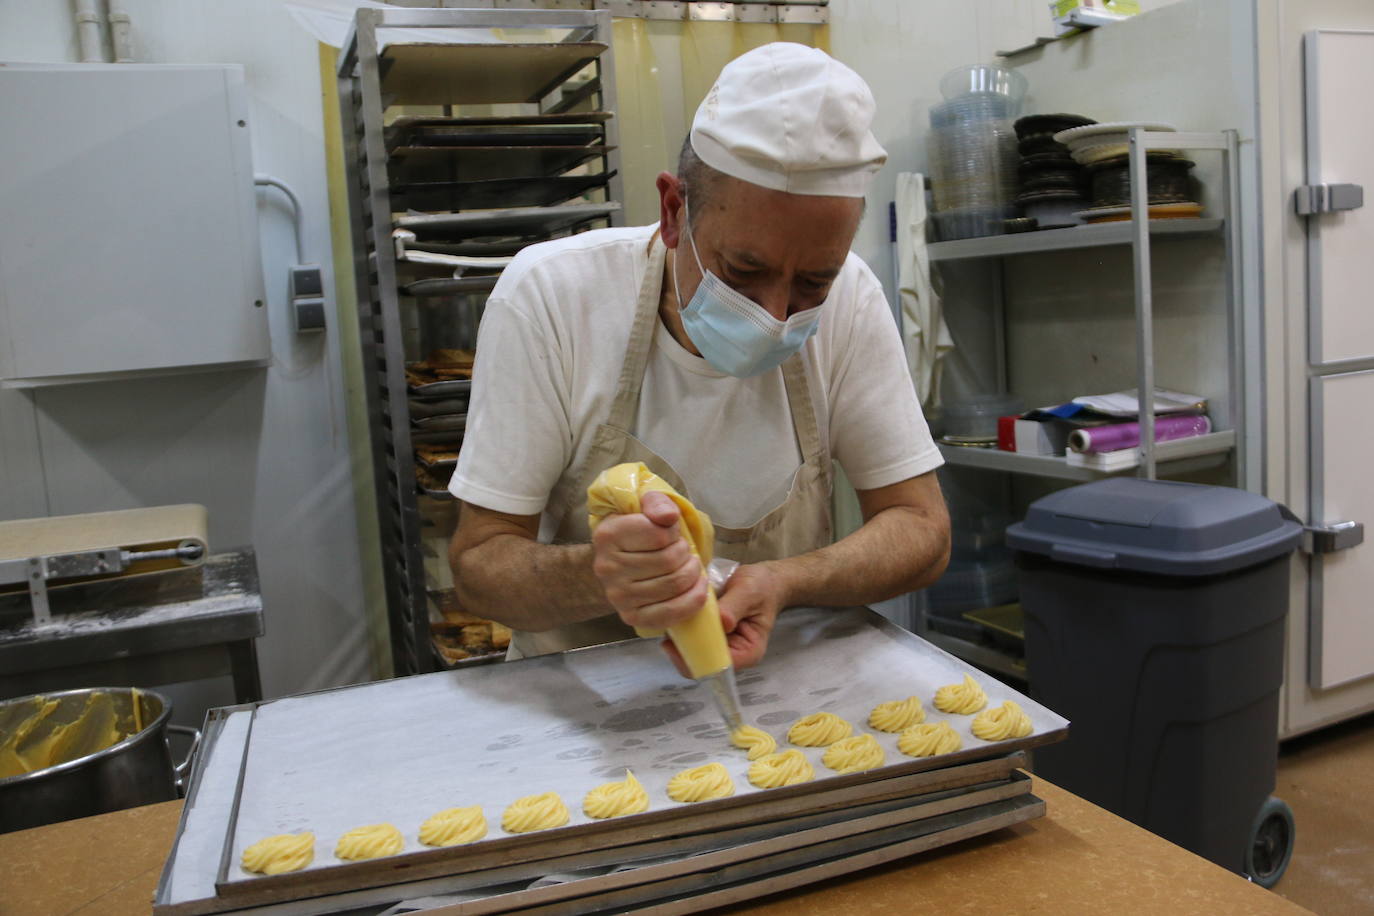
point(702, 181)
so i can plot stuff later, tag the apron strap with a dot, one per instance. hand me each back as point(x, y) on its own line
point(798, 387)
point(625, 407)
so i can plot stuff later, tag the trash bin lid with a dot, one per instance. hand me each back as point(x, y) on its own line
point(1156, 526)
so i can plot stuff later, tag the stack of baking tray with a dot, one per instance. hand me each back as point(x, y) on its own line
point(482, 187)
point(398, 751)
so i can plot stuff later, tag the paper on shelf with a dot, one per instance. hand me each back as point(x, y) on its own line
point(1127, 404)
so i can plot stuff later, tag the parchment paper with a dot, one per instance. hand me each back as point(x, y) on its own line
point(398, 751)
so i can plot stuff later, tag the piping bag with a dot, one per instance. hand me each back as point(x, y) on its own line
point(700, 638)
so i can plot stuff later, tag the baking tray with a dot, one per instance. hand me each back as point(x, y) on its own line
point(955, 805)
point(471, 163)
point(423, 73)
point(333, 761)
point(446, 422)
point(404, 128)
point(496, 192)
point(513, 221)
point(444, 389)
point(437, 407)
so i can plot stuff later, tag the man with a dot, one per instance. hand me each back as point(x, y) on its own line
point(737, 348)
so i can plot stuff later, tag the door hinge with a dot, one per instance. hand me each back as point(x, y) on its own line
point(1327, 198)
point(1332, 536)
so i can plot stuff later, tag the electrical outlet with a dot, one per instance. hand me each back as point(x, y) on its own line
point(307, 298)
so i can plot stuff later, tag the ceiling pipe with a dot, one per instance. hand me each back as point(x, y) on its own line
point(121, 35)
point(88, 20)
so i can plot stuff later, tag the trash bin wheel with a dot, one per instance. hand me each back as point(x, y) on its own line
point(1271, 843)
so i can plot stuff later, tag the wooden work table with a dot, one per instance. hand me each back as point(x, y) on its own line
point(1077, 859)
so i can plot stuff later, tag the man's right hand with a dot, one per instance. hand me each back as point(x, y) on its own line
point(646, 567)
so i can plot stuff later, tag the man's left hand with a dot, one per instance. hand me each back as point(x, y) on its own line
point(749, 606)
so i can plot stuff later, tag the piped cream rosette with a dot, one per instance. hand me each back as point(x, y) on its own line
point(535, 812)
point(279, 854)
point(784, 769)
point(1002, 723)
point(701, 783)
point(615, 799)
point(853, 755)
point(818, 730)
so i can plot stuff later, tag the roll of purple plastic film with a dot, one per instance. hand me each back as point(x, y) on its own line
point(1127, 435)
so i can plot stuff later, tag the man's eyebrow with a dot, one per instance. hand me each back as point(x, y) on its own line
point(740, 254)
point(749, 260)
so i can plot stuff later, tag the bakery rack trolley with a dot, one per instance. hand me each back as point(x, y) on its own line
point(496, 132)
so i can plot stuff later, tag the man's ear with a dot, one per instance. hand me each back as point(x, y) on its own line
point(671, 216)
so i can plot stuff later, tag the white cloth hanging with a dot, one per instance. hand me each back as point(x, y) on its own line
point(924, 333)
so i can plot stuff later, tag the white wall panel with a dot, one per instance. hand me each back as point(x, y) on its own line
point(265, 450)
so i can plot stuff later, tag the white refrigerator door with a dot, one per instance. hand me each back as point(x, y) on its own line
point(1341, 640)
point(1339, 69)
point(1340, 138)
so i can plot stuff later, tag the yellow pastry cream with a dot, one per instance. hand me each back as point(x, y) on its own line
point(47, 731)
point(929, 739)
point(454, 827)
point(895, 715)
point(963, 699)
point(851, 755)
point(281, 853)
point(617, 491)
point(535, 812)
point(701, 783)
point(1002, 722)
point(754, 740)
point(371, 842)
point(614, 799)
point(818, 730)
point(785, 769)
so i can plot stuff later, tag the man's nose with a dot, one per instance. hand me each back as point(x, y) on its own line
point(775, 299)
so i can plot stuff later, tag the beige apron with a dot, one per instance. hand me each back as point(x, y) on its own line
point(801, 523)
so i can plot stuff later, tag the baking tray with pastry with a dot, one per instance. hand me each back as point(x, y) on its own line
point(567, 723)
point(433, 482)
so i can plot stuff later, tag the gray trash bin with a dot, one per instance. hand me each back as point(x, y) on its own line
point(1155, 624)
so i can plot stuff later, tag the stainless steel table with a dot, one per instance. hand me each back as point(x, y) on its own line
point(158, 629)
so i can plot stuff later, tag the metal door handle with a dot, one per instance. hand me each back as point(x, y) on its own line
point(1332, 536)
point(1327, 198)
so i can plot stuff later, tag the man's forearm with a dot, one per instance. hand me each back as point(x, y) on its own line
point(898, 550)
point(527, 585)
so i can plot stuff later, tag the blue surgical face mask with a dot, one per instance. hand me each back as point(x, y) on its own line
point(734, 333)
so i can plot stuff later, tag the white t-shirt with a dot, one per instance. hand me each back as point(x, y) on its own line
point(549, 353)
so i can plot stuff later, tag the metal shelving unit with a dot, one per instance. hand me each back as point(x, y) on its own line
point(1229, 446)
point(498, 132)
point(1178, 455)
point(1138, 232)
point(1090, 236)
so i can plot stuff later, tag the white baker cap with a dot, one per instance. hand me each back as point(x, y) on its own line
point(791, 118)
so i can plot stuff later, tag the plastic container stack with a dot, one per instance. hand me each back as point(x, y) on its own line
point(973, 157)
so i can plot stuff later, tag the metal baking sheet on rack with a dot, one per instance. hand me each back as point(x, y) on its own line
point(480, 74)
point(498, 192)
point(456, 422)
point(507, 222)
point(474, 163)
point(445, 286)
point(446, 388)
point(398, 751)
point(404, 128)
